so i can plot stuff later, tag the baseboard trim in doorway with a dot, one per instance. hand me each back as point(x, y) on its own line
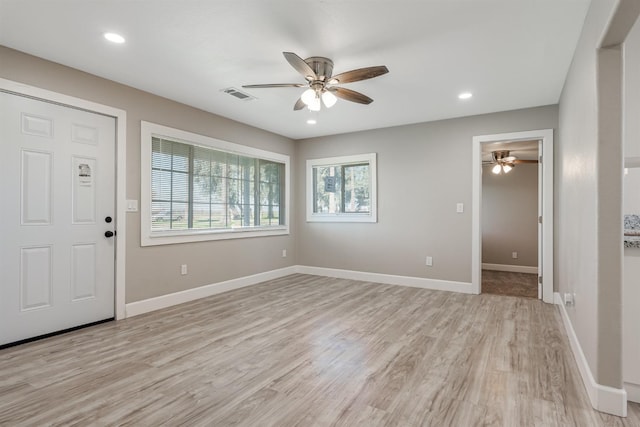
point(389, 279)
point(633, 392)
point(603, 398)
point(510, 268)
point(164, 301)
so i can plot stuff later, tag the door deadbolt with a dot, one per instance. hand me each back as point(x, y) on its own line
point(108, 219)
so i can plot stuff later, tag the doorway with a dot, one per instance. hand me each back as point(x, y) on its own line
point(544, 140)
point(510, 218)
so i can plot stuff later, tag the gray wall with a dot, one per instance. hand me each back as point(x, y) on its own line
point(510, 216)
point(632, 100)
point(588, 191)
point(416, 185)
point(423, 171)
point(631, 290)
point(153, 271)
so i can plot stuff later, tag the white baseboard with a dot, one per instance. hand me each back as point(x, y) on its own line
point(510, 268)
point(164, 301)
point(633, 392)
point(389, 279)
point(603, 398)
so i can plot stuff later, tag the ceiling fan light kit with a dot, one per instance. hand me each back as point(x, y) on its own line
point(322, 86)
point(329, 99)
point(308, 96)
point(502, 167)
point(314, 105)
point(504, 162)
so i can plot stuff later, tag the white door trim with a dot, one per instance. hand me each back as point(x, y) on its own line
point(546, 135)
point(121, 130)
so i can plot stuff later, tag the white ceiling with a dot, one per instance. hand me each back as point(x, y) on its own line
point(510, 53)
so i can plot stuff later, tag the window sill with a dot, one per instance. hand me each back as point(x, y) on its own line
point(188, 236)
point(342, 218)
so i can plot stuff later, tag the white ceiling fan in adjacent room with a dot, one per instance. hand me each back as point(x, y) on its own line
point(504, 162)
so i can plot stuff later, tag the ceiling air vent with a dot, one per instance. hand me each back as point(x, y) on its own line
point(238, 94)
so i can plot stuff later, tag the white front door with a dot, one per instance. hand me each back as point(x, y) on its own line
point(57, 192)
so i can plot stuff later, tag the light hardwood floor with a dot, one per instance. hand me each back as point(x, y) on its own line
point(307, 351)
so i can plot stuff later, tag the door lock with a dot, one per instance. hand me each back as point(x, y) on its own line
point(108, 219)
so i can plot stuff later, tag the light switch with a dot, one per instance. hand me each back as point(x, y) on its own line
point(460, 207)
point(132, 206)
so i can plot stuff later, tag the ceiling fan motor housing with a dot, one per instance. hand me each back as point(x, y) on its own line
point(499, 155)
point(323, 67)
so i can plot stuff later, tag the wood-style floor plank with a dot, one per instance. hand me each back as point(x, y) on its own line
point(309, 351)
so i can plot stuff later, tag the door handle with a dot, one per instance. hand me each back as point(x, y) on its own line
point(109, 234)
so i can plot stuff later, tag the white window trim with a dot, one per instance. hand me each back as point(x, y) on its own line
point(166, 237)
point(344, 217)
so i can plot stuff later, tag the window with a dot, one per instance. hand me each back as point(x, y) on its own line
point(199, 188)
point(342, 189)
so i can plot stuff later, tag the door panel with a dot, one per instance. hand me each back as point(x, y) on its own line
point(83, 271)
point(57, 184)
point(35, 277)
point(35, 189)
point(83, 193)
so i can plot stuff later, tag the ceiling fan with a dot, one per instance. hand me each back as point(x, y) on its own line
point(504, 162)
point(322, 86)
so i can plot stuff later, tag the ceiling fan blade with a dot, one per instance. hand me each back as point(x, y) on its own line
point(299, 105)
point(524, 161)
point(274, 85)
point(350, 95)
point(300, 66)
point(359, 74)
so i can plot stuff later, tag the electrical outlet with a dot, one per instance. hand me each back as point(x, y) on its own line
point(183, 269)
point(429, 261)
point(569, 299)
point(284, 253)
point(514, 255)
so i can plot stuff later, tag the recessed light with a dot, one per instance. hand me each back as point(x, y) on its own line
point(465, 95)
point(114, 38)
point(311, 122)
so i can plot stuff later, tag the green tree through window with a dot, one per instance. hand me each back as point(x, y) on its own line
point(342, 189)
point(195, 187)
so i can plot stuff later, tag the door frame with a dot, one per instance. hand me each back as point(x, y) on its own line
point(546, 136)
point(120, 117)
